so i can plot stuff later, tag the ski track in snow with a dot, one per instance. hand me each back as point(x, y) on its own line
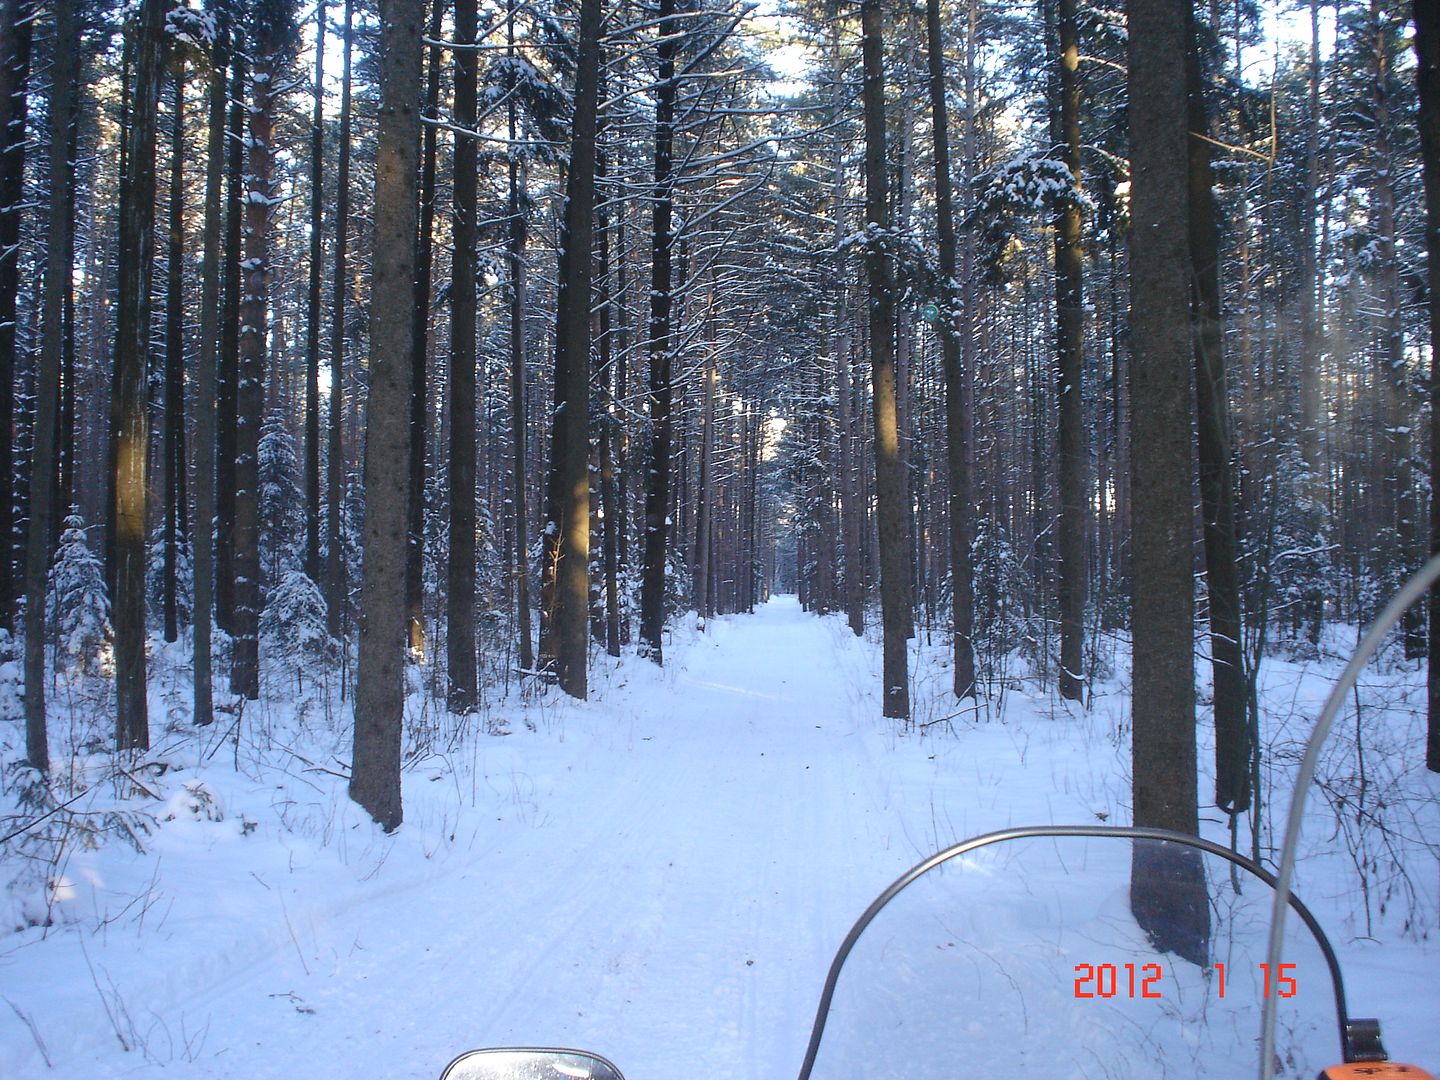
point(661, 874)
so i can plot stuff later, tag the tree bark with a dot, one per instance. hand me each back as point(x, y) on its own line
point(700, 587)
point(312, 307)
point(1311, 285)
point(1217, 483)
point(130, 432)
point(64, 86)
point(419, 348)
point(657, 487)
point(250, 383)
point(623, 457)
point(460, 577)
point(1399, 503)
point(567, 529)
point(904, 200)
point(68, 450)
point(889, 482)
point(206, 378)
point(1070, 336)
point(175, 362)
point(957, 435)
point(609, 426)
point(518, 233)
point(336, 587)
point(1427, 72)
point(16, 18)
point(1167, 890)
point(852, 575)
point(229, 375)
point(380, 689)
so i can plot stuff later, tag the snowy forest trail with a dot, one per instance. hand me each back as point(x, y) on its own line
point(661, 874)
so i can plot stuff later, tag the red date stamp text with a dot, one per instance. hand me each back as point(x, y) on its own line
point(1145, 980)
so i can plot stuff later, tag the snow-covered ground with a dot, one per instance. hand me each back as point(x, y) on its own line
point(661, 874)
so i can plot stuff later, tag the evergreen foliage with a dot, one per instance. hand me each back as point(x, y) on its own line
point(292, 626)
point(281, 503)
point(79, 606)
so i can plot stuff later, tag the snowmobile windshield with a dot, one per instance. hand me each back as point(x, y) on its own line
point(1075, 953)
point(530, 1064)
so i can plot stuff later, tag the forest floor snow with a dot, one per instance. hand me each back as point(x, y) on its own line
point(661, 874)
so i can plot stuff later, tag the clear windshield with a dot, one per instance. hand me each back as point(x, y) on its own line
point(1025, 959)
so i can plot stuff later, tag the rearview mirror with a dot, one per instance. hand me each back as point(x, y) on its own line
point(530, 1064)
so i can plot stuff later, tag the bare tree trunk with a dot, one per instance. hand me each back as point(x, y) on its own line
point(657, 487)
point(60, 230)
point(206, 377)
point(623, 459)
point(130, 426)
point(460, 575)
point(700, 587)
point(567, 529)
point(1427, 48)
point(226, 396)
point(174, 494)
point(112, 557)
point(419, 349)
point(1310, 286)
point(335, 583)
point(1217, 482)
point(821, 495)
point(957, 436)
point(1070, 335)
point(889, 481)
point(753, 505)
point(250, 386)
point(1167, 890)
point(1398, 489)
point(904, 198)
point(853, 582)
point(380, 688)
point(608, 433)
point(312, 319)
point(16, 18)
point(518, 232)
point(1120, 375)
point(69, 444)
point(609, 503)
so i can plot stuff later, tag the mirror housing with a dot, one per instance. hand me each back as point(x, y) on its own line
point(530, 1063)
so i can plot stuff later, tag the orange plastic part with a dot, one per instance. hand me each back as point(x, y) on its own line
point(1375, 1070)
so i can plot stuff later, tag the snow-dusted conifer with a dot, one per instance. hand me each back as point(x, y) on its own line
point(12, 683)
point(155, 577)
point(281, 506)
point(293, 623)
point(352, 521)
point(79, 608)
point(197, 29)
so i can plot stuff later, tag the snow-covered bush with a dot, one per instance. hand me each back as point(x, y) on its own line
point(11, 680)
point(352, 534)
point(77, 602)
point(1292, 571)
point(49, 840)
point(282, 523)
point(155, 578)
point(492, 576)
point(999, 584)
point(293, 623)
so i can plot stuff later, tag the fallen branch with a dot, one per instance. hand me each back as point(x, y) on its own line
point(34, 1032)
